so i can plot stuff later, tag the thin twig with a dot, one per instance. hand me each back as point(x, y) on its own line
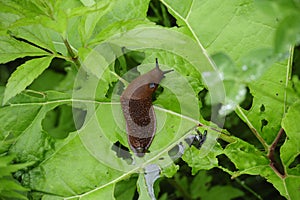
point(271, 154)
point(72, 54)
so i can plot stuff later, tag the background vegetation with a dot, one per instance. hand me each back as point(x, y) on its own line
point(42, 47)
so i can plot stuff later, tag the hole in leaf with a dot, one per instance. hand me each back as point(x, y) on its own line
point(173, 151)
point(157, 92)
point(236, 126)
point(159, 14)
point(128, 62)
point(225, 162)
point(122, 152)
point(177, 151)
point(264, 123)
point(209, 111)
point(295, 162)
point(262, 108)
point(296, 61)
point(247, 103)
point(59, 122)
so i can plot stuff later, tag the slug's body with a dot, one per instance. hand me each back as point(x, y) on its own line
point(136, 102)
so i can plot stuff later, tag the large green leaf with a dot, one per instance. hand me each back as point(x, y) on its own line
point(242, 31)
point(235, 28)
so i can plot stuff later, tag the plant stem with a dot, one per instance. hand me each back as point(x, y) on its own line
point(271, 154)
point(72, 54)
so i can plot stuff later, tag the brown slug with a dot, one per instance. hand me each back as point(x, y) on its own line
point(136, 103)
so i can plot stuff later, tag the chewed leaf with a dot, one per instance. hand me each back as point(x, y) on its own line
point(24, 76)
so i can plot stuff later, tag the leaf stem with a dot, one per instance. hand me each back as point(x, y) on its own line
point(242, 115)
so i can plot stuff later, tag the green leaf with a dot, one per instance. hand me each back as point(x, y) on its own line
point(288, 33)
point(38, 35)
point(31, 142)
point(88, 22)
point(235, 31)
point(142, 188)
point(268, 104)
point(125, 189)
point(170, 170)
point(10, 188)
point(290, 149)
point(287, 13)
point(34, 144)
point(205, 158)
point(11, 49)
point(22, 8)
point(85, 165)
point(249, 160)
point(24, 76)
point(117, 27)
point(223, 192)
point(246, 157)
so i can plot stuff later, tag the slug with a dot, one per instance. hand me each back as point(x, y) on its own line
point(136, 103)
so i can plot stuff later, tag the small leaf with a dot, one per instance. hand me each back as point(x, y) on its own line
point(195, 159)
point(170, 170)
point(24, 76)
point(246, 157)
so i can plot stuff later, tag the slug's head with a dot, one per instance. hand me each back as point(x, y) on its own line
point(143, 86)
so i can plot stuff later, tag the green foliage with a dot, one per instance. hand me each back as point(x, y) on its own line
point(200, 188)
point(64, 65)
point(9, 187)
